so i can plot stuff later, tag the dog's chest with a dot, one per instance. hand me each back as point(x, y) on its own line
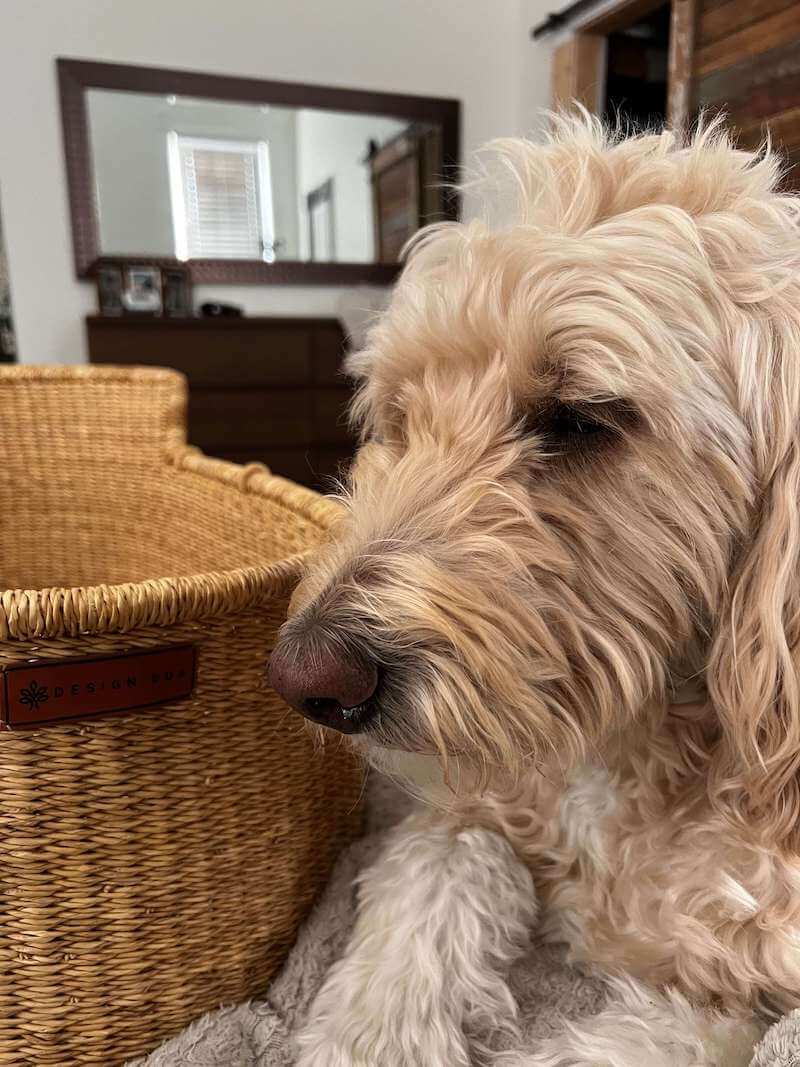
point(661, 889)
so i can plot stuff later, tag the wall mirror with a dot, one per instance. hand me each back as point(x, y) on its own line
point(250, 181)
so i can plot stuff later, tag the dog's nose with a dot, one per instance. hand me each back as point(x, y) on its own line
point(332, 686)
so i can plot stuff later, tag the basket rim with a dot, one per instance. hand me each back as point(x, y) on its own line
point(87, 374)
point(167, 601)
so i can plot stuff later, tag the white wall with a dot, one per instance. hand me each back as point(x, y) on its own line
point(532, 79)
point(474, 50)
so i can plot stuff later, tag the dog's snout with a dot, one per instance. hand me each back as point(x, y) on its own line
point(327, 683)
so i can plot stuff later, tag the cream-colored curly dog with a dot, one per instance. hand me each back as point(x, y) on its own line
point(564, 605)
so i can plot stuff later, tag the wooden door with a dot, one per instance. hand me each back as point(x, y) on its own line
point(747, 63)
point(577, 71)
point(396, 196)
point(406, 188)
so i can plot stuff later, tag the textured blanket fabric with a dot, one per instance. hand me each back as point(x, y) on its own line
point(258, 1033)
point(780, 1046)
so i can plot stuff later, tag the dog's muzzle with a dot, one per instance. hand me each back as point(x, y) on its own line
point(328, 684)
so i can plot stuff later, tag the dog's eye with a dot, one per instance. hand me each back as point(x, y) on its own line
point(567, 421)
point(567, 427)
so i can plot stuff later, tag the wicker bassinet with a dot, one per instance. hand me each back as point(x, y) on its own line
point(155, 862)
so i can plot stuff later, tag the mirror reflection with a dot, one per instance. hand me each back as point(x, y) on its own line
point(195, 178)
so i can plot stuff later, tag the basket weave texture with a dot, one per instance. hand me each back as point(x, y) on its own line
point(153, 863)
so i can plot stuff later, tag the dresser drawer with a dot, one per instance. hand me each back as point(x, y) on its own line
point(207, 353)
point(328, 356)
point(239, 418)
point(260, 389)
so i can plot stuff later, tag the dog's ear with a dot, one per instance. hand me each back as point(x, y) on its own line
point(753, 676)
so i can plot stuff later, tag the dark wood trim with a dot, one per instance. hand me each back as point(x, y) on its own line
point(255, 90)
point(195, 322)
point(75, 76)
point(78, 161)
point(256, 272)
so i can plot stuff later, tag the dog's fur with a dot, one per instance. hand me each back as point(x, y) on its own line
point(589, 639)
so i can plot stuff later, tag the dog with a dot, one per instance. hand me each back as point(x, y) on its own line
point(563, 606)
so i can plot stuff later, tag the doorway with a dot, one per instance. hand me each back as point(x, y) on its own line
point(634, 60)
point(635, 83)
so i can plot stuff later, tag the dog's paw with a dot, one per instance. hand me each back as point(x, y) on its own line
point(358, 1041)
point(426, 966)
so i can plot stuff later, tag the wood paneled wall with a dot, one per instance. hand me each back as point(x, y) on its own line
point(747, 61)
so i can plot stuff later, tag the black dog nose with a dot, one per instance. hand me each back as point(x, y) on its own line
point(332, 686)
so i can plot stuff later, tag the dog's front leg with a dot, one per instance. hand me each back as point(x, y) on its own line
point(441, 916)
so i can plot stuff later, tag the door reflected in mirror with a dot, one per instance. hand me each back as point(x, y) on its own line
point(201, 179)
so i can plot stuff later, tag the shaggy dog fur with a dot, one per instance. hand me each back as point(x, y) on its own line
point(572, 542)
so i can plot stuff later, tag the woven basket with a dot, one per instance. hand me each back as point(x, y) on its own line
point(156, 862)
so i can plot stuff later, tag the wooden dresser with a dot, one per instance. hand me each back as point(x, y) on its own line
point(266, 389)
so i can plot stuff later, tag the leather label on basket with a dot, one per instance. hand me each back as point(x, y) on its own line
point(54, 690)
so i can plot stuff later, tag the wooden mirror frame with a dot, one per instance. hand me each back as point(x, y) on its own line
point(75, 76)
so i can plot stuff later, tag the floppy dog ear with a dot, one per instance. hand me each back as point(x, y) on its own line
point(753, 676)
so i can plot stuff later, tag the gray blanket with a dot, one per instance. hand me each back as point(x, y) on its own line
point(258, 1033)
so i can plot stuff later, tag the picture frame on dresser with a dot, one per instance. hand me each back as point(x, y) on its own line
point(141, 290)
point(176, 292)
point(108, 277)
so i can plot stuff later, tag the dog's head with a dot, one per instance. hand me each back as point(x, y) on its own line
point(579, 477)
